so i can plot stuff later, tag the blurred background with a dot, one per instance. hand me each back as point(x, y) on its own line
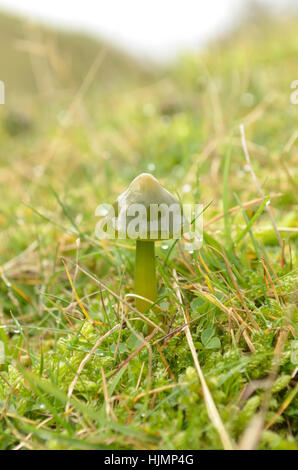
point(148, 29)
point(100, 91)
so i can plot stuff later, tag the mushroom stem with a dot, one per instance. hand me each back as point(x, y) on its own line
point(145, 278)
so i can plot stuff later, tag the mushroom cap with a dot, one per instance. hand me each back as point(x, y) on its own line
point(159, 212)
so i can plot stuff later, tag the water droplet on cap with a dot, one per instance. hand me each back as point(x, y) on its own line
point(151, 166)
point(186, 188)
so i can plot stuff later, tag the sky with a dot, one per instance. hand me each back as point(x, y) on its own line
point(158, 29)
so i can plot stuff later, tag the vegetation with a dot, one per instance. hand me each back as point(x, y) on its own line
point(80, 372)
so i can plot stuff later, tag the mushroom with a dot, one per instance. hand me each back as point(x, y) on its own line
point(159, 217)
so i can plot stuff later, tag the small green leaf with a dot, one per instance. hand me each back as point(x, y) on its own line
point(207, 335)
point(214, 343)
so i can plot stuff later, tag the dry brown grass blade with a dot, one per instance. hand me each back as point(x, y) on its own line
point(210, 405)
point(160, 389)
point(132, 355)
point(247, 156)
point(140, 376)
point(84, 362)
point(146, 319)
point(283, 407)
point(109, 409)
point(40, 425)
point(267, 275)
point(166, 364)
point(74, 290)
point(240, 296)
point(252, 434)
point(250, 437)
point(245, 205)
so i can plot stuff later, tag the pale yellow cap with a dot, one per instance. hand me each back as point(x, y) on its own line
point(162, 216)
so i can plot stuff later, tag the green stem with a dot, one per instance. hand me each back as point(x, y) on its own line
point(145, 278)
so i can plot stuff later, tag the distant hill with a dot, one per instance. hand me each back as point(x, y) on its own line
point(36, 59)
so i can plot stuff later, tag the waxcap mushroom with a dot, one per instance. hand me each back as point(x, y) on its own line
point(146, 212)
point(160, 212)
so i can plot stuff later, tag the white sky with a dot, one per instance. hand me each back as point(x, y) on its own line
point(154, 28)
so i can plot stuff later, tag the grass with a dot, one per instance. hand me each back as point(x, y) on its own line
point(79, 372)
